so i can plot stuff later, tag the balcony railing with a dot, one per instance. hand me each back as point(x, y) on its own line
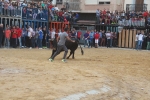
point(73, 6)
point(136, 7)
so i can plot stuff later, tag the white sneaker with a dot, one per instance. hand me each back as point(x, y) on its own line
point(30, 48)
point(40, 48)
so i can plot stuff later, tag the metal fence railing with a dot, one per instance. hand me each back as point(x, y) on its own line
point(11, 11)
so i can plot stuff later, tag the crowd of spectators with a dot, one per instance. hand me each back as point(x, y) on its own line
point(129, 18)
point(42, 10)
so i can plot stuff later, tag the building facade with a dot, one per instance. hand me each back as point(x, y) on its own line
point(89, 6)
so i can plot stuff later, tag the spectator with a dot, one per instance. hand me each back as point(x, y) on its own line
point(91, 37)
point(19, 34)
point(14, 37)
point(36, 37)
point(23, 37)
point(30, 31)
point(76, 18)
point(140, 40)
point(1, 34)
point(97, 15)
point(79, 33)
point(40, 38)
point(85, 37)
point(108, 36)
point(7, 37)
point(96, 36)
point(148, 42)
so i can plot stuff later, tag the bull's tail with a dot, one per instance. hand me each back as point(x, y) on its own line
point(81, 50)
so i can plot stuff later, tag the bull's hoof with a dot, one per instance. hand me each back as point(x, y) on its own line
point(67, 57)
point(73, 58)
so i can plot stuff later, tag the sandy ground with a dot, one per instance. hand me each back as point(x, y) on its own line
point(99, 74)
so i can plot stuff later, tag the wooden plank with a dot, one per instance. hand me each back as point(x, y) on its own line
point(127, 39)
point(119, 42)
point(123, 38)
point(134, 35)
point(130, 38)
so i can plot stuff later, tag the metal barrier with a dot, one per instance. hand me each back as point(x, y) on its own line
point(34, 23)
point(112, 28)
point(11, 11)
point(10, 21)
point(59, 25)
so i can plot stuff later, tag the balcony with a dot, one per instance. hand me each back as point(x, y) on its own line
point(73, 5)
point(136, 7)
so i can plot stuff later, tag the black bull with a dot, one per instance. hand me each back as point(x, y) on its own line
point(70, 45)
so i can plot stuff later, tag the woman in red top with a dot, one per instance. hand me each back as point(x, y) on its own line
point(14, 37)
point(96, 36)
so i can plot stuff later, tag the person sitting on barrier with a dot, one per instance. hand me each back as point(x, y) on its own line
point(35, 12)
point(148, 19)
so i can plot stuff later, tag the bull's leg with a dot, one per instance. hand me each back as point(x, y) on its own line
point(73, 54)
point(69, 54)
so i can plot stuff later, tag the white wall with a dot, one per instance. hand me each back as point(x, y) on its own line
point(147, 2)
point(128, 2)
point(90, 2)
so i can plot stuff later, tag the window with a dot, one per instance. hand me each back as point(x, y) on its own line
point(104, 3)
point(59, 1)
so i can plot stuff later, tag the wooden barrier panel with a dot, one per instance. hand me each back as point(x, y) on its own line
point(123, 38)
point(130, 39)
point(120, 35)
point(134, 35)
point(127, 39)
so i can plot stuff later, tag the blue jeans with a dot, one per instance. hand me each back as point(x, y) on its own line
point(7, 42)
point(20, 42)
point(111, 41)
point(90, 42)
point(136, 44)
point(140, 44)
point(23, 41)
point(86, 42)
point(40, 43)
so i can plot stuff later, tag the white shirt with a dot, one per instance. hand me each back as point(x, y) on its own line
point(140, 37)
point(108, 35)
point(136, 37)
point(30, 30)
point(53, 35)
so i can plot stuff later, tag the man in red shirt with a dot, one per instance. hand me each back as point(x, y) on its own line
point(96, 36)
point(14, 37)
point(19, 33)
point(79, 35)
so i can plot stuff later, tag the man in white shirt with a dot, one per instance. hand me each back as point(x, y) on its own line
point(136, 40)
point(30, 31)
point(140, 40)
point(108, 36)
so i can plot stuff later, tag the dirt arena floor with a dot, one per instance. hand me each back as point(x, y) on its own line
point(99, 74)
